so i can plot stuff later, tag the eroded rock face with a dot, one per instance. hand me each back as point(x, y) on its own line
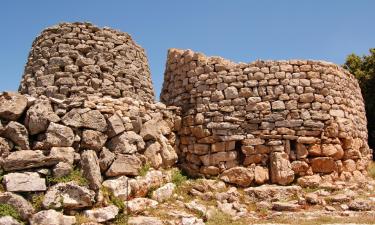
point(59, 135)
point(18, 134)
point(102, 214)
point(281, 169)
point(26, 159)
point(23, 207)
point(91, 119)
point(12, 105)
point(48, 217)
point(39, 116)
point(238, 175)
point(124, 165)
point(24, 182)
point(91, 169)
point(68, 196)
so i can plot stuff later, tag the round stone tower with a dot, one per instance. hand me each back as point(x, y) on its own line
point(281, 119)
point(80, 59)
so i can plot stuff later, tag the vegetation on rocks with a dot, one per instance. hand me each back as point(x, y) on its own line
point(75, 175)
point(8, 210)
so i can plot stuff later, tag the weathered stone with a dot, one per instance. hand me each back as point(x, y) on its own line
point(278, 105)
point(62, 169)
point(231, 92)
point(138, 205)
point(238, 175)
point(323, 165)
point(309, 181)
point(115, 126)
point(281, 170)
point(273, 192)
point(106, 158)
point(12, 105)
point(39, 116)
point(21, 205)
point(261, 175)
point(24, 182)
point(26, 159)
point(91, 169)
point(152, 129)
point(144, 220)
point(306, 97)
point(120, 187)
point(91, 119)
point(49, 217)
point(59, 135)
point(18, 134)
point(126, 143)
point(68, 196)
point(285, 206)
point(92, 139)
point(216, 158)
point(5, 147)
point(102, 214)
point(124, 165)
point(163, 193)
point(153, 156)
point(8, 220)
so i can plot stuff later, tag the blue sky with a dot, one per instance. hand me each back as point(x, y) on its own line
point(240, 30)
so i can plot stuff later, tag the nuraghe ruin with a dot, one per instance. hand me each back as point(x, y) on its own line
point(86, 102)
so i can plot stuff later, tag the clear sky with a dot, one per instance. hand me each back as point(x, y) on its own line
point(240, 30)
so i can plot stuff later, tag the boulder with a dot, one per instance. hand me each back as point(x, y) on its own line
point(58, 135)
point(63, 154)
point(119, 187)
point(167, 153)
point(91, 169)
point(24, 182)
point(12, 105)
point(126, 143)
point(68, 196)
point(8, 220)
point(5, 147)
point(106, 158)
point(141, 185)
point(152, 129)
point(138, 205)
point(49, 217)
point(26, 159)
point(23, 207)
point(280, 169)
point(102, 214)
point(312, 181)
point(18, 134)
point(91, 119)
point(62, 169)
point(125, 165)
point(272, 192)
point(39, 116)
point(92, 139)
point(261, 175)
point(153, 156)
point(285, 206)
point(238, 175)
point(144, 220)
point(163, 193)
point(115, 126)
point(323, 165)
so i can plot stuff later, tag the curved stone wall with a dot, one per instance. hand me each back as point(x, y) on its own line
point(281, 119)
point(80, 59)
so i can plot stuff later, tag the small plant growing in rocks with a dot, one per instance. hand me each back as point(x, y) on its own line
point(75, 175)
point(144, 169)
point(178, 177)
point(8, 210)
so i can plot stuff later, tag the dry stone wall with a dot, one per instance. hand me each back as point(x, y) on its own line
point(266, 120)
point(78, 59)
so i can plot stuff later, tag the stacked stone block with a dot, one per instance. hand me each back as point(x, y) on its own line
point(79, 59)
point(275, 120)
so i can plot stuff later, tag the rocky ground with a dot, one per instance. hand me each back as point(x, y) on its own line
point(169, 197)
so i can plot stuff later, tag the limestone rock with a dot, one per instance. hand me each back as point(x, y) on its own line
point(102, 214)
point(91, 169)
point(93, 140)
point(39, 116)
point(62, 154)
point(49, 217)
point(163, 193)
point(312, 181)
point(91, 119)
point(138, 205)
point(281, 170)
point(323, 165)
point(126, 143)
point(238, 175)
point(26, 159)
point(12, 105)
point(5, 147)
point(8, 220)
point(62, 169)
point(68, 196)
point(119, 187)
point(23, 207)
point(144, 220)
point(152, 129)
point(24, 182)
point(272, 192)
point(285, 206)
point(106, 158)
point(18, 134)
point(153, 156)
point(115, 126)
point(124, 165)
point(58, 135)
point(261, 175)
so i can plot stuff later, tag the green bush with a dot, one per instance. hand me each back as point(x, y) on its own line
point(144, 169)
point(75, 175)
point(8, 210)
point(178, 177)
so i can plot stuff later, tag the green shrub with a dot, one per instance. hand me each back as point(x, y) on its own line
point(36, 201)
point(144, 169)
point(178, 177)
point(8, 210)
point(75, 175)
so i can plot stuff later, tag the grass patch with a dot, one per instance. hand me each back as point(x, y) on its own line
point(144, 169)
point(121, 219)
point(221, 218)
point(8, 210)
point(111, 198)
point(75, 175)
point(178, 178)
point(80, 218)
point(371, 170)
point(36, 201)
